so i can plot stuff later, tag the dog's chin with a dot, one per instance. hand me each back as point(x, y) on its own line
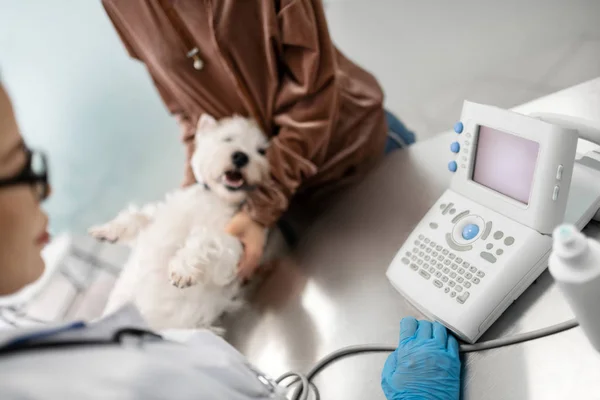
point(232, 187)
point(231, 196)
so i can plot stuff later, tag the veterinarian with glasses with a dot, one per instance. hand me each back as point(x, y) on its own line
point(274, 61)
point(117, 358)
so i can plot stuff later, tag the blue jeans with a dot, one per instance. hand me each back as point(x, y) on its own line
point(398, 135)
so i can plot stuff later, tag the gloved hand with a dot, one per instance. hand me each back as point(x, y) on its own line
point(426, 364)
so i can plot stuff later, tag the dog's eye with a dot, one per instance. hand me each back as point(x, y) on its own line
point(228, 139)
point(262, 152)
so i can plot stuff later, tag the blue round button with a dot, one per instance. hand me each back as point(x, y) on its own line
point(452, 166)
point(470, 231)
point(455, 147)
point(458, 127)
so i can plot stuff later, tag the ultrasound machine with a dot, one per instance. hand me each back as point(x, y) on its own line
point(488, 237)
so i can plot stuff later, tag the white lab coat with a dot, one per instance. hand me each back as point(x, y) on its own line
point(84, 362)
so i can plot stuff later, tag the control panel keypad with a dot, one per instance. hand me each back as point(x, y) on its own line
point(446, 271)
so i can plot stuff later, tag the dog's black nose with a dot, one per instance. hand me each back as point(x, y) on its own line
point(239, 159)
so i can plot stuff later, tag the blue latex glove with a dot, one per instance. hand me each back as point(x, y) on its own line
point(426, 364)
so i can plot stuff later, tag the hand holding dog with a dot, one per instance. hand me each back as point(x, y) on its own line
point(253, 236)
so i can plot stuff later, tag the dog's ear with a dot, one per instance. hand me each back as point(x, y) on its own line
point(205, 123)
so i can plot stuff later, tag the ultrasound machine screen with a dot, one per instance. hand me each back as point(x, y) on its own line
point(505, 163)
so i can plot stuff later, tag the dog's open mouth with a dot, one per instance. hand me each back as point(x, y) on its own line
point(233, 180)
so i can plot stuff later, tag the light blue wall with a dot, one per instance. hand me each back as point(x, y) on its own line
point(93, 109)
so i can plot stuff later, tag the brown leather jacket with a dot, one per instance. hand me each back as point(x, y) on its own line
point(272, 60)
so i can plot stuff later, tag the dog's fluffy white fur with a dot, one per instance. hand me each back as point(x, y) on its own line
point(182, 269)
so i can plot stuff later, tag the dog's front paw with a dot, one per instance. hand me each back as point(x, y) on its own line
point(107, 232)
point(182, 275)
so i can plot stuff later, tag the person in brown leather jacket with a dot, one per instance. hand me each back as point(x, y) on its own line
point(274, 61)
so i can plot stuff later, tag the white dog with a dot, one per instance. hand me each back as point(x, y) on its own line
point(182, 269)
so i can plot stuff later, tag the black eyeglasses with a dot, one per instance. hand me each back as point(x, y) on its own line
point(34, 173)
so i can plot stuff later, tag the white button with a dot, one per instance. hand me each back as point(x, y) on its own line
point(194, 54)
point(559, 172)
point(198, 64)
point(555, 193)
